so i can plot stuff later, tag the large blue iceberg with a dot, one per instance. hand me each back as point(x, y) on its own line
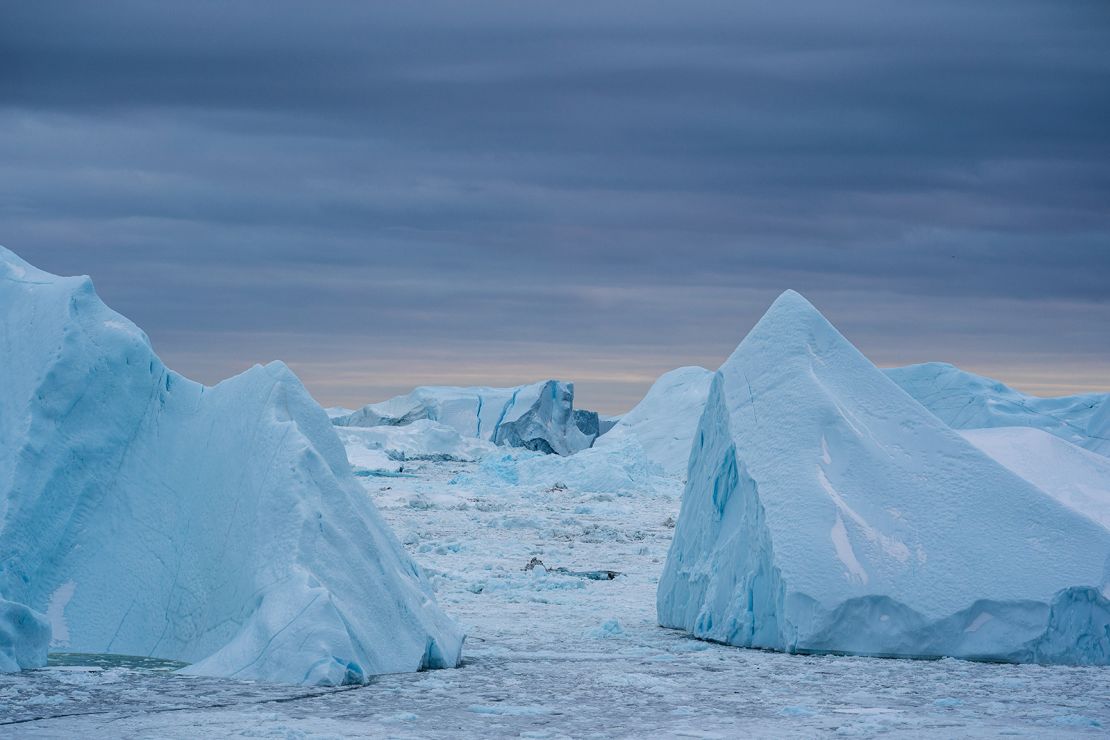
point(146, 514)
point(827, 511)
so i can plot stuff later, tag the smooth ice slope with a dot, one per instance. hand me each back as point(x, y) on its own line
point(826, 510)
point(149, 515)
point(24, 637)
point(964, 400)
point(1075, 477)
point(539, 417)
point(664, 422)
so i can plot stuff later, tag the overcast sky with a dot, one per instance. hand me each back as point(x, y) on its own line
point(386, 195)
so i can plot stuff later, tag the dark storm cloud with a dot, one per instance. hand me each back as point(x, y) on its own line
point(420, 192)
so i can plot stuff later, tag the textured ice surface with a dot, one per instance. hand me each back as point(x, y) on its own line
point(1073, 476)
point(146, 514)
point(24, 637)
point(826, 510)
point(964, 400)
point(539, 417)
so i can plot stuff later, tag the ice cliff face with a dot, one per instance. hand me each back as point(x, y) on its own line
point(24, 637)
point(964, 400)
point(150, 515)
point(827, 511)
point(539, 417)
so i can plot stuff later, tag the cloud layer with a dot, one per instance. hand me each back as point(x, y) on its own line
point(499, 192)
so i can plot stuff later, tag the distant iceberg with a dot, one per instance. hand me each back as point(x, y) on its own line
point(664, 422)
point(1077, 478)
point(146, 514)
point(540, 417)
point(964, 400)
point(827, 511)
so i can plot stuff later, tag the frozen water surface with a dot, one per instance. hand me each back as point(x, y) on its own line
point(552, 655)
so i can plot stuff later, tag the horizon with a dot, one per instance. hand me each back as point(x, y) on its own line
point(606, 412)
point(387, 197)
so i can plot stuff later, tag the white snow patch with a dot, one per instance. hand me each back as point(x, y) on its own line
point(55, 613)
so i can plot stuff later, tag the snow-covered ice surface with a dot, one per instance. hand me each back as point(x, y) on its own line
point(1075, 477)
point(827, 511)
point(146, 514)
point(554, 656)
point(965, 400)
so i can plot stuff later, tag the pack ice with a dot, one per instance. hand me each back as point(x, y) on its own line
point(146, 514)
point(539, 417)
point(964, 400)
point(827, 511)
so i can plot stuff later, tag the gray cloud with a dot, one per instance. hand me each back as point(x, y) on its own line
point(385, 195)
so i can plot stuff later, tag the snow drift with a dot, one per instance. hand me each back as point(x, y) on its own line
point(964, 400)
point(539, 417)
point(827, 511)
point(221, 526)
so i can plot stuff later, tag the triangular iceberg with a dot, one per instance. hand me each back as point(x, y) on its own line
point(146, 514)
point(827, 511)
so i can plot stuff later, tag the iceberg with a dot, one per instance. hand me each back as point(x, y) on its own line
point(827, 511)
point(24, 637)
point(540, 417)
point(964, 400)
point(146, 514)
point(645, 451)
point(664, 422)
point(423, 439)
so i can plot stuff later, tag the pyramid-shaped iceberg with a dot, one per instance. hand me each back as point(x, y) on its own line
point(146, 514)
point(828, 511)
